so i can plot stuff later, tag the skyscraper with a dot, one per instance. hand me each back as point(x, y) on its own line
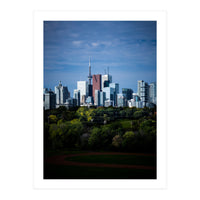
point(121, 100)
point(83, 87)
point(143, 92)
point(62, 93)
point(49, 100)
point(152, 93)
point(127, 92)
point(96, 79)
point(102, 98)
point(115, 86)
point(109, 93)
point(77, 96)
point(97, 98)
point(106, 80)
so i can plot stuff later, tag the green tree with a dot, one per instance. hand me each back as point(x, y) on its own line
point(52, 119)
point(117, 141)
point(94, 139)
point(129, 140)
point(148, 127)
point(54, 137)
point(139, 114)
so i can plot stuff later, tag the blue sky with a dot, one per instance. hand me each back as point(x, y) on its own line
point(128, 48)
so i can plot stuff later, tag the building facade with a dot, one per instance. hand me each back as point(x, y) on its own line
point(97, 98)
point(62, 94)
point(152, 92)
point(115, 86)
point(49, 100)
point(82, 86)
point(96, 78)
point(77, 96)
point(109, 103)
point(109, 93)
point(102, 98)
point(121, 100)
point(127, 92)
point(89, 100)
point(143, 92)
point(106, 80)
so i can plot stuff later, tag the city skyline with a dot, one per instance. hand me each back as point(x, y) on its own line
point(127, 48)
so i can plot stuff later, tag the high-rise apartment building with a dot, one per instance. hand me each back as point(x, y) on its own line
point(49, 100)
point(143, 92)
point(127, 92)
point(152, 92)
point(96, 78)
point(109, 93)
point(97, 98)
point(115, 86)
point(121, 100)
point(77, 96)
point(102, 98)
point(83, 87)
point(62, 94)
point(45, 90)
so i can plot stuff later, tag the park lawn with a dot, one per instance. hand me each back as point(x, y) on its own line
point(116, 159)
point(64, 152)
point(79, 172)
point(126, 124)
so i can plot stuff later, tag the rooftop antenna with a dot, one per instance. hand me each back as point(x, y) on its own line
point(105, 71)
point(108, 70)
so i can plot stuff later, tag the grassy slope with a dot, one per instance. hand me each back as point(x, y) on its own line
point(116, 159)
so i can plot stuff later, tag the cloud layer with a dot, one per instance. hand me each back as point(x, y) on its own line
point(128, 48)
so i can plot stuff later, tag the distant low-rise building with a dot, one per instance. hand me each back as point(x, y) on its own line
point(109, 103)
point(90, 100)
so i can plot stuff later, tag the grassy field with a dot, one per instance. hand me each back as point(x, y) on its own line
point(76, 172)
point(52, 171)
point(116, 159)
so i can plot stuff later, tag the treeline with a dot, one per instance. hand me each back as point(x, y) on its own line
point(118, 129)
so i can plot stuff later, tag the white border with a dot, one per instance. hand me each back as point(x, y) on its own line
point(161, 181)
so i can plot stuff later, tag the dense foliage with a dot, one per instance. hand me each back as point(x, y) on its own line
point(118, 129)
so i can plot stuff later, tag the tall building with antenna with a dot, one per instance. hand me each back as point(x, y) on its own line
point(89, 80)
point(106, 79)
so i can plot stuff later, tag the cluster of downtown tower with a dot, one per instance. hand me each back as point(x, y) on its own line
point(99, 90)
